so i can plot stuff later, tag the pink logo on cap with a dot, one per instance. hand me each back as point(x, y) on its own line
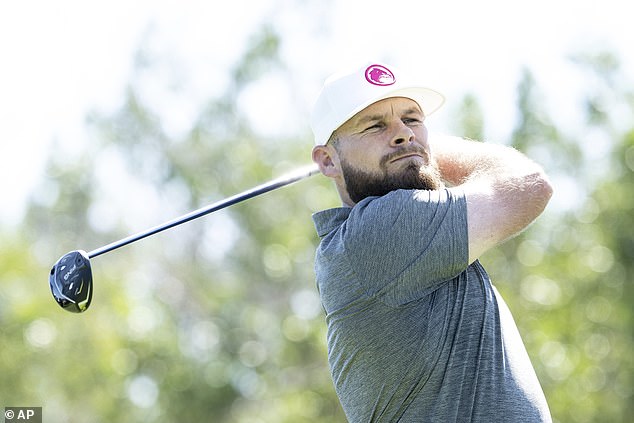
point(379, 75)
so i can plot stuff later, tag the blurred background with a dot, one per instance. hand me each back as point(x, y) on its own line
point(116, 116)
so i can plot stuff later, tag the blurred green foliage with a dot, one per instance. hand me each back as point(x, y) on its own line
point(219, 319)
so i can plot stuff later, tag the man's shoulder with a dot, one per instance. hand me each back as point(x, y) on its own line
point(374, 208)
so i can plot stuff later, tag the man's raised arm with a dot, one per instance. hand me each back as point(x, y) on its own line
point(505, 190)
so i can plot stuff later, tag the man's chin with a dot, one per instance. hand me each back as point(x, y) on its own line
point(410, 174)
point(417, 176)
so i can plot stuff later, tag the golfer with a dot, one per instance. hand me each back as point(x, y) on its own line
point(416, 330)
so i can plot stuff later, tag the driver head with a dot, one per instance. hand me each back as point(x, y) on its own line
point(71, 281)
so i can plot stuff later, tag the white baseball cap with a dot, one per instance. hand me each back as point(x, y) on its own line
point(345, 94)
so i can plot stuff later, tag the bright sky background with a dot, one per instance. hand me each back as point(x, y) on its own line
point(64, 58)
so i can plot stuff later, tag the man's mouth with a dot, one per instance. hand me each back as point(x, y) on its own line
point(406, 156)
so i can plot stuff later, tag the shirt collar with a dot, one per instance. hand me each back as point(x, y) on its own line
point(328, 220)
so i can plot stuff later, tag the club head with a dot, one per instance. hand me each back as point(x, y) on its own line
point(71, 281)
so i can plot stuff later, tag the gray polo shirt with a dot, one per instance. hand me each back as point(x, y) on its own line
point(415, 334)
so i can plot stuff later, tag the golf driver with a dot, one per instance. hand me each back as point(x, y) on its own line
point(71, 277)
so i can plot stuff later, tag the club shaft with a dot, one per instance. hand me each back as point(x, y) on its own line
point(284, 180)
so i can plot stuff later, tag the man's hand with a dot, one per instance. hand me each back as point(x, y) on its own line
point(505, 190)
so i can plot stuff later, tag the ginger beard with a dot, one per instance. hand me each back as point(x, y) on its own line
point(361, 184)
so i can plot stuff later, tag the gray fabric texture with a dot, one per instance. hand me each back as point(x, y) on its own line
point(415, 334)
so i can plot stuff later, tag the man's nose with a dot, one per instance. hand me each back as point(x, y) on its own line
point(403, 134)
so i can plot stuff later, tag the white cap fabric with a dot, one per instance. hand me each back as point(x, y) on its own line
point(346, 93)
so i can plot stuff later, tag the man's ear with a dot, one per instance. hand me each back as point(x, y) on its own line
point(326, 158)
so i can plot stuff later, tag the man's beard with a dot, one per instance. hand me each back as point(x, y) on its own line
point(361, 184)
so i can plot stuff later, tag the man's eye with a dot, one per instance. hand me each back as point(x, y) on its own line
point(412, 121)
point(374, 127)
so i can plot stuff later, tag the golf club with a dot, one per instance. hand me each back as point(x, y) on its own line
point(71, 277)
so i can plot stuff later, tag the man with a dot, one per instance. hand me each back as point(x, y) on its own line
point(416, 331)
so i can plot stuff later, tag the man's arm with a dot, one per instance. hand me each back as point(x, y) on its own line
point(505, 190)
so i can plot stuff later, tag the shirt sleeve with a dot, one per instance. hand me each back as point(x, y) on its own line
point(406, 243)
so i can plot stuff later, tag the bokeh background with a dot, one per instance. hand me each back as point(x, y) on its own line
point(116, 116)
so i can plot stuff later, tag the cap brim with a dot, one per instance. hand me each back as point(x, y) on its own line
point(428, 99)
